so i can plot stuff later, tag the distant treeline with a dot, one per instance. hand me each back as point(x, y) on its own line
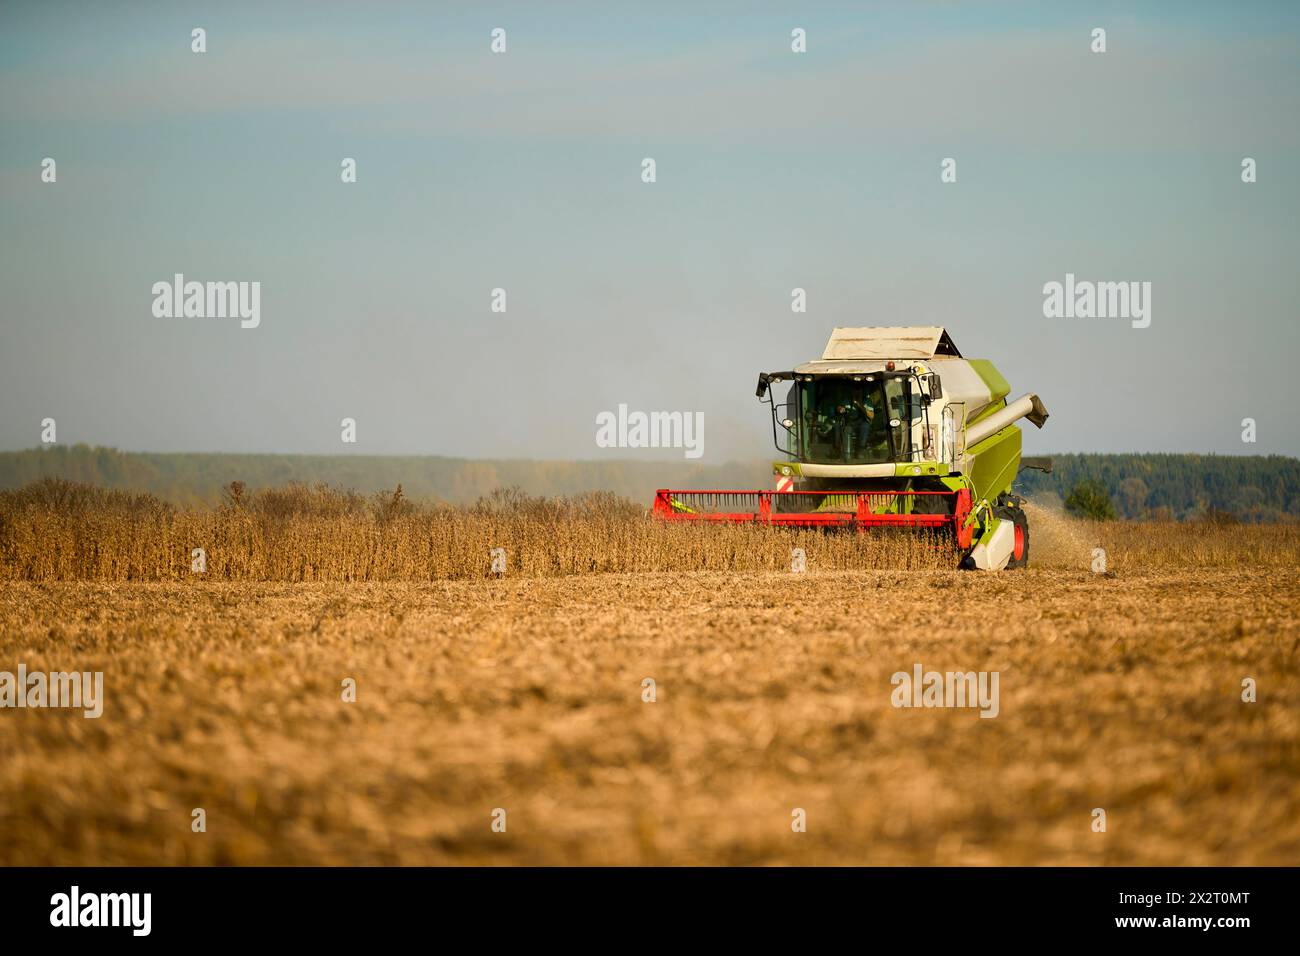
point(1141, 486)
point(1255, 488)
point(194, 479)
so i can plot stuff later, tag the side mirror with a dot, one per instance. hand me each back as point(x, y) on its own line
point(936, 389)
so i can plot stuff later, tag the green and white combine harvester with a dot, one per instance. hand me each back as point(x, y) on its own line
point(891, 427)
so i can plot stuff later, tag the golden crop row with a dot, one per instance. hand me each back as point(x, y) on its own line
point(54, 531)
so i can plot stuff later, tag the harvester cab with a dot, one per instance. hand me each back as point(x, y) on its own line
point(891, 427)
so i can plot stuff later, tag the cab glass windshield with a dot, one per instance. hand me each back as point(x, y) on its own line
point(843, 421)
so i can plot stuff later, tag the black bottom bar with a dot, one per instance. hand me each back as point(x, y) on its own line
point(645, 906)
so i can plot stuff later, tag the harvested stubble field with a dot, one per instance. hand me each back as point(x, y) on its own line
point(223, 690)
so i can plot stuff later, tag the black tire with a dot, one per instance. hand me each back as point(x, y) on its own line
point(1012, 512)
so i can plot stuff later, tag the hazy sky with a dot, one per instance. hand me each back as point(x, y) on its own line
point(522, 170)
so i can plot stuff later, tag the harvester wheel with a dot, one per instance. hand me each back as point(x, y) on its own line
point(1020, 549)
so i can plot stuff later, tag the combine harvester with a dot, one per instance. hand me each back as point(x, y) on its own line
point(890, 428)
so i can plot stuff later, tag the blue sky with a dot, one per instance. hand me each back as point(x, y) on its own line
point(521, 171)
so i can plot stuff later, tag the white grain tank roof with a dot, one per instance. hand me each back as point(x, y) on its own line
point(864, 351)
point(853, 350)
point(893, 342)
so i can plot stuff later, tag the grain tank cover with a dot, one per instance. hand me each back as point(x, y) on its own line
point(893, 342)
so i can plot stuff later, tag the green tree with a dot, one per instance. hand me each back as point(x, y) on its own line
point(1090, 499)
point(1133, 494)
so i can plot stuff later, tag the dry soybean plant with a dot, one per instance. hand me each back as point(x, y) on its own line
point(59, 530)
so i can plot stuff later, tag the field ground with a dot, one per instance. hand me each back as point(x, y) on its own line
point(1118, 691)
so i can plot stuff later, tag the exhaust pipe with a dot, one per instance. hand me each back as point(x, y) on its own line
point(1026, 406)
